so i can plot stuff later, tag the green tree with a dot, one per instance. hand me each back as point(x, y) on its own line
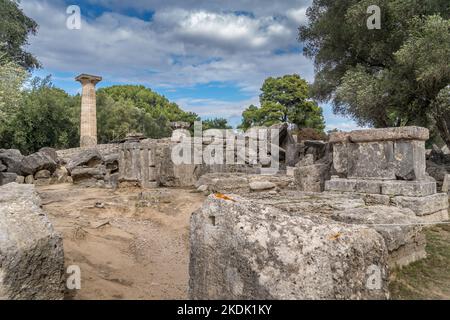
point(44, 119)
point(284, 99)
point(15, 27)
point(386, 77)
point(12, 78)
point(216, 123)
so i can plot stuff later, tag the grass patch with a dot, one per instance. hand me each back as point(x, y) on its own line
point(430, 277)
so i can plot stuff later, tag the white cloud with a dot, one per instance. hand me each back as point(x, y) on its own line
point(186, 43)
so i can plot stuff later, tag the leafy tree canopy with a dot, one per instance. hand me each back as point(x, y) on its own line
point(15, 27)
point(387, 77)
point(216, 123)
point(284, 99)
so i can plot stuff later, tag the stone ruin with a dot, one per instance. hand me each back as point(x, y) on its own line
point(389, 165)
point(337, 244)
point(329, 225)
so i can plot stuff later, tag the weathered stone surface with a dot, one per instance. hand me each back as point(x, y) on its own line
point(262, 185)
point(7, 177)
point(50, 152)
point(42, 174)
point(446, 184)
point(60, 175)
point(88, 176)
point(31, 252)
point(11, 158)
point(241, 249)
point(354, 185)
point(374, 160)
point(87, 158)
point(36, 162)
point(391, 134)
point(29, 179)
point(400, 229)
point(112, 162)
point(340, 159)
point(20, 179)
point(408, 188)
point(410, 160)
point(423, 206)
point(3, 167)
point(312, 178)
point(224, 183)
point(308, 160)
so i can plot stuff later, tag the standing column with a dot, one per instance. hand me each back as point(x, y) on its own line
point(88, 121)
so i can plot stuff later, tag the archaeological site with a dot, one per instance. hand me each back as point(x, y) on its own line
point(205, 152)
point(281, 218)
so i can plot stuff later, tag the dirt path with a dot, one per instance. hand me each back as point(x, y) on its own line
point(127, 246)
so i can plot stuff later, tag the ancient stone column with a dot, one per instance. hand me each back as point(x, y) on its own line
point(88, 130)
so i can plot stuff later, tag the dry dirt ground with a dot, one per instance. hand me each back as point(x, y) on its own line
point(127, 246)
point(133, 244)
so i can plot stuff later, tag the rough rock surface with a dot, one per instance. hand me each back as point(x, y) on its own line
point(312, 178)
point(11, 159)
point(241, 249)
point(31, 252)
point(400, 229)
point(7, 177)
point(36, 162)
point(87, 158)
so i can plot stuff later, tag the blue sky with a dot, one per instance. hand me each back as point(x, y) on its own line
point(209, 56)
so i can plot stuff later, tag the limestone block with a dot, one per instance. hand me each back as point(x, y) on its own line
point(31, 252)
point(36, 162)
point(446, 184)
point(408, 188)
point(354, 185)
point(29, 179)
point(400, 229)
point(340, 158)
point(262, 185)
point(422, 206)
point(20, 179)
point(87, 158)
point(312, 178)
point(410, 161)
point(390, 134)
point(42, 174)
point(7, 177)
point(12, 159)
point(372, 160)
point(240, 249)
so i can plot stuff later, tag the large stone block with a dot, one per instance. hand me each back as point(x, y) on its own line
point(384, 134)
point(373, 160)
point(242, 249)
point(312, 178)
point(7, 177)
point(31, 252)
point(354, 185)
point(11, 159)
point(36, 162)
point(400, 229)
point(410, 160)
point(423, 206)
point(408, 188)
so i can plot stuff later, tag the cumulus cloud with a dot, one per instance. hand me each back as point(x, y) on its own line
point(185, 43)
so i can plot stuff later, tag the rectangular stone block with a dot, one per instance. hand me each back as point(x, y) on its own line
point(408, 188)
point(373, 160)
point(422, 206)
point(390, 134)
point(340, 158)
point(410, 160)
point(354, 185)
